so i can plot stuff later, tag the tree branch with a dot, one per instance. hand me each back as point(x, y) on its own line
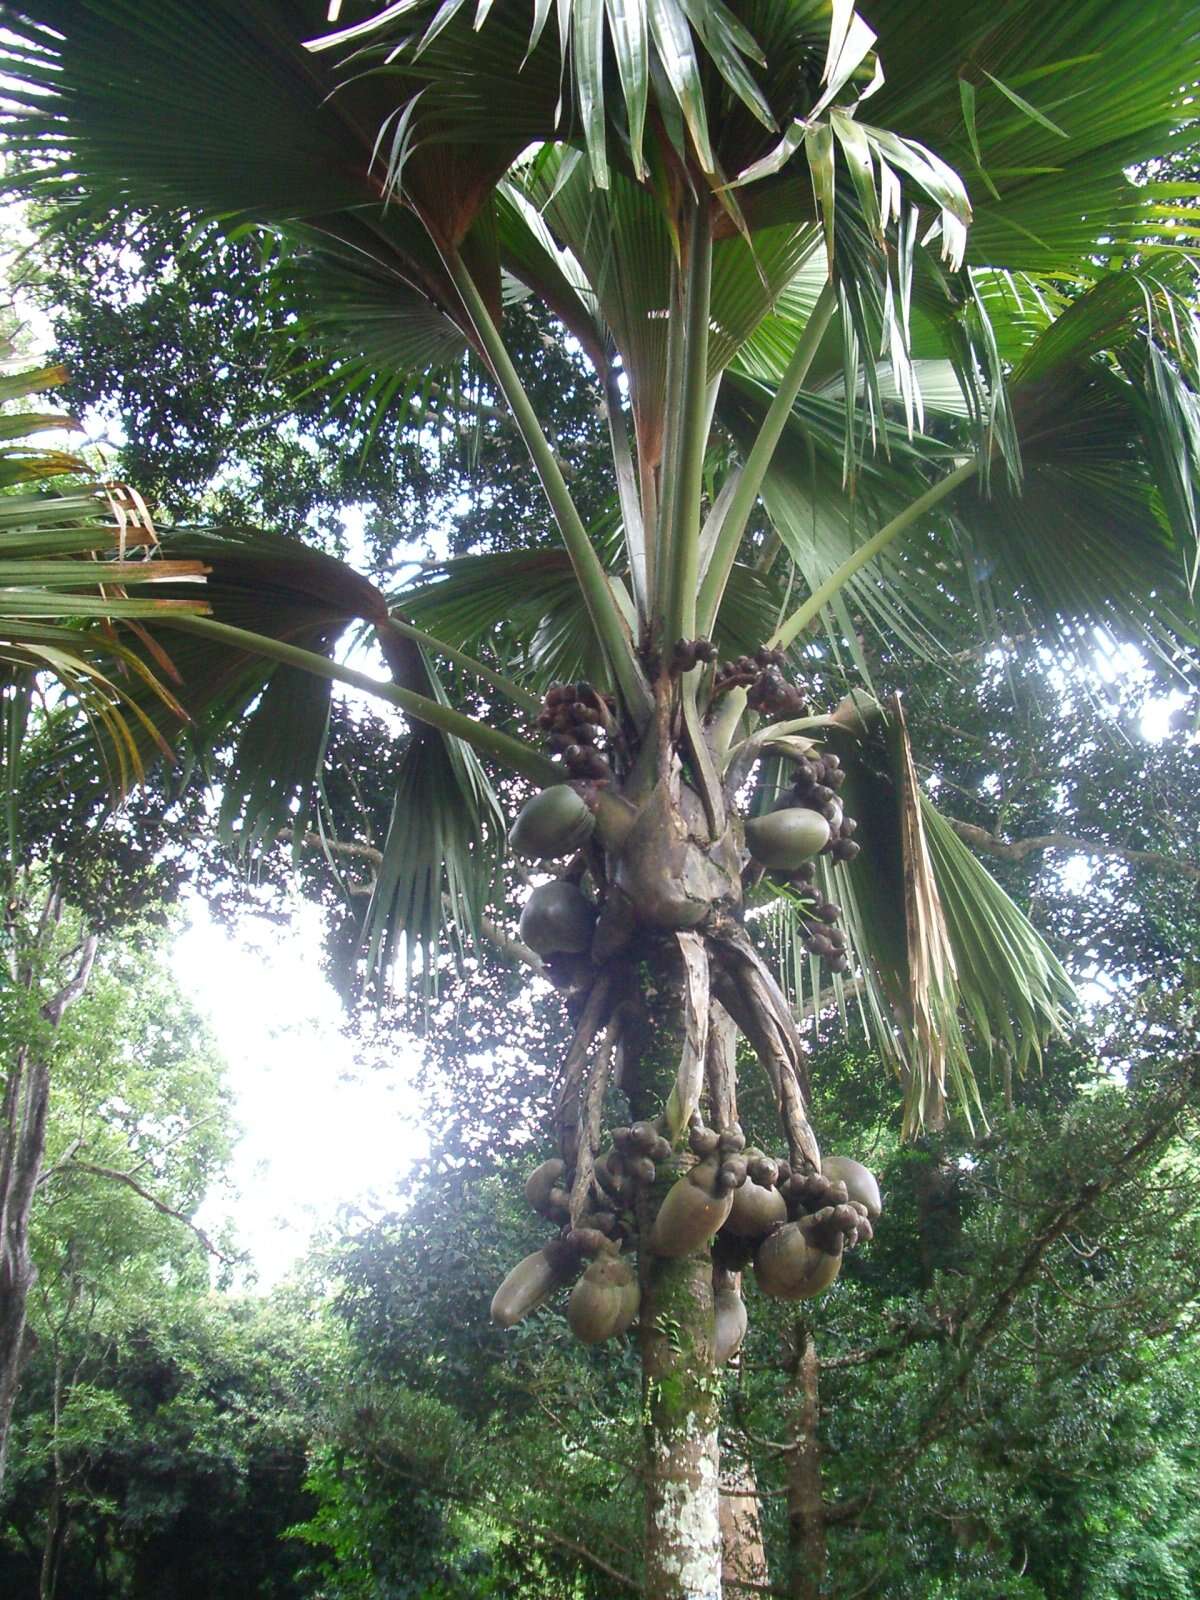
point(159, 1205)
point(74, 987)
point(1018, 849)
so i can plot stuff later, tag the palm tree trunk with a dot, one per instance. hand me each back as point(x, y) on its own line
point(806, 1506)
point(680, 1386)
point(680, 1410)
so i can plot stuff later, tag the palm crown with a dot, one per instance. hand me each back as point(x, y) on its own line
point(787, 301)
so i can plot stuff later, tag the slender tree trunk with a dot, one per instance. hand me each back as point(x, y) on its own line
point(23, 1113)
point(23, 1134)
point(806, 1506)
point(680, 1385)
point(57, 1523)
point(743, 1554)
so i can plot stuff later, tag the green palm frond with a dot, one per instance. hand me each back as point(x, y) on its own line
point(440, 858)
point(80, 572)
point(952, 971)
point(524, 610)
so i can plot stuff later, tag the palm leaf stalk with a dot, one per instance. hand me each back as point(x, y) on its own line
point(888, 288)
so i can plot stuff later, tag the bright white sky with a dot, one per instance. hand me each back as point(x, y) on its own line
point(319, 1131)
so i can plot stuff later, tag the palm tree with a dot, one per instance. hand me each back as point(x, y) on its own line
point(854, 391)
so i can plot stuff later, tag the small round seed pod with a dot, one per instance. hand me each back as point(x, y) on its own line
point(608, 1180)
point(661, 1150)
point(642, 1170)
point(731, 1176)
point(621, 1140)
point(737, 1168)
point(850, 849)
point(860, 1181)
point(763, 1170)
point(704, 1141)
point(828, 1228)
point(590, 764)
point(587, 1241)
point(785, 1173)
point(643, 1136)
point(541, 1181)
point(558, 1200)
point(729, 1324)
point(603, 1221)
point(531, 1281)
point(731, 1140)
point(829, 912)
point(691, 1213)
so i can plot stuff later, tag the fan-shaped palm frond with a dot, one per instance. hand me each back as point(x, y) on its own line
point(938, 939)
point(80, 571)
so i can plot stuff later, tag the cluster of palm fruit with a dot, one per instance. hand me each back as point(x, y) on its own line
point(689, 653)
point(795, 1227)
point(767, 690)
point(578, 722)
point(634, 869)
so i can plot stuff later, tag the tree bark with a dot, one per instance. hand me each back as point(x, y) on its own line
point(57, 1521)
point(22, 1144)
point(743, 1554)
point(680, 1385)
point(806, 1506)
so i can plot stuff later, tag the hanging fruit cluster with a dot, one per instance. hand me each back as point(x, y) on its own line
point(768, 692)
point(794, 1227)
point(579, 723)
point(654, 866)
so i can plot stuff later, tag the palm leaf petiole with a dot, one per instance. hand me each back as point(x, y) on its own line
point(488, 741)
point(602, 608)
point(737, 512)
